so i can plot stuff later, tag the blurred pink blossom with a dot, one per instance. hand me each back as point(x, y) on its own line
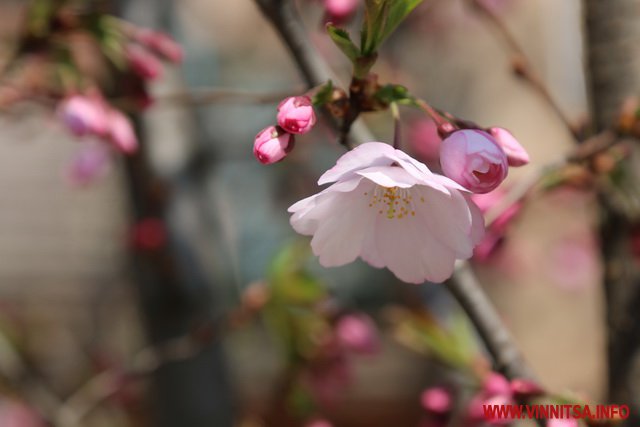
point(436, 400)
point(160, 43)
point(272, 144)
point(338, 11)
point(121, 132)
point(495, 233)
point(83, 115)
point(143, 63)
point(89, 163)
point(573, 263)
point(296, 115)
point(358, 333)
point(473, 159)
point(16, 414)
point(496, 384)
point(562, 422)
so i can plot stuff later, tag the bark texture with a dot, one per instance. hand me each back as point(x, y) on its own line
point(613, 49)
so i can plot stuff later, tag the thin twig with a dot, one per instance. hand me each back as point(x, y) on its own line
point(583, 151)
point(522, 64)
point(315, 71)
point(212, 95)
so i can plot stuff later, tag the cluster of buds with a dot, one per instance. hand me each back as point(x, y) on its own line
point(295, 117)
point(438, 402)
point(330, 370)
point(146, 49)
point(478, 159)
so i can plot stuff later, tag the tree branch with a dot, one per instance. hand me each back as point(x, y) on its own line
point(463, 285)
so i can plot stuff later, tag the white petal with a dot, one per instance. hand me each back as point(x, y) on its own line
point(411, 252)
point(363, 156)
point(448, 217)
point(339, 238)
point(388, 176)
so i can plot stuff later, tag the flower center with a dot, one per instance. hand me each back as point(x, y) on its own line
point(393, 202)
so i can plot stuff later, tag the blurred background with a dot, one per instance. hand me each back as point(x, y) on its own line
point(99, 329)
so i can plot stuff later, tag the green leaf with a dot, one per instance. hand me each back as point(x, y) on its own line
point(394, 93)
point(323, 95)
point(381, 18)
point(398, 12)
point(342, 39)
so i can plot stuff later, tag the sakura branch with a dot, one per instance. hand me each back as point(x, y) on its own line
point(521, 64)
point(384, 198)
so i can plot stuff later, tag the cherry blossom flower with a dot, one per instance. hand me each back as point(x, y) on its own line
point(296, 115)
point(473, 159)
point(496, 232)
point(392, 211)
point(272, 144)
point(516, 154)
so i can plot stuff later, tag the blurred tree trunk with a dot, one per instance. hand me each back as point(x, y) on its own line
point(613, 48)
point(175, 296)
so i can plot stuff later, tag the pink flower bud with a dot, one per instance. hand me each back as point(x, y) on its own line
point(272, 144)
point(496, 384)
point(424, 139)
point(473, 159)
point(161, 43)
point(121, 132)
point(296, 115)
point(143, 63)
point(522, 388)
point(436, 400)
point(358, 333)
point(83, 115)
point(516, 154)
point(340, 10)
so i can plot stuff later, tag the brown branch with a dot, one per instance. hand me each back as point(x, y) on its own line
point(463, 285)
point(314, 70)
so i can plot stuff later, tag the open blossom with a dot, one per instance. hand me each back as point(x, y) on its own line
point(272, 145)
point(473, 159)
point(296, 115)
point(392, 211)
point(516, 154)
point(83, 115)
